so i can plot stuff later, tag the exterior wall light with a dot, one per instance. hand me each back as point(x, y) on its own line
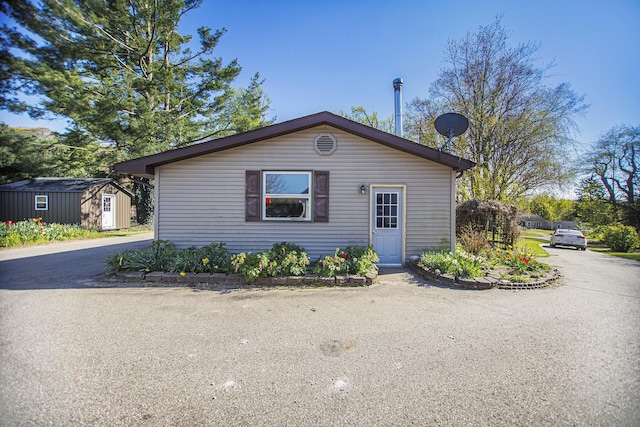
point(363, 189)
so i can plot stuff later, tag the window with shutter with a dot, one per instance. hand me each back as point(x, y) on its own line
point(285, 195)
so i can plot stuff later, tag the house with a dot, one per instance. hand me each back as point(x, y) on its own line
point(319, 181)
point(98, 203)
point(536, 221)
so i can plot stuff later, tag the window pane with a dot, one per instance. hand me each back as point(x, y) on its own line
point(379, 199)
point(394, 198)
point(287, 183)
point(41, 203)
point(286, 208)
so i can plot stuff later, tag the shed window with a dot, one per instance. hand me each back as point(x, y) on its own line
point(42, 203)
point(286, 196)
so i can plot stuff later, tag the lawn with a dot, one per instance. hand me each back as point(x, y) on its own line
point(626, 255)
point(532, 245)
point(533, 237)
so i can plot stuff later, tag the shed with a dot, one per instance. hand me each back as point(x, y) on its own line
point(320, 181)
point(98, 203)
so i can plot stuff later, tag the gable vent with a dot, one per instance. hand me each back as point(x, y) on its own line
point(325, 144)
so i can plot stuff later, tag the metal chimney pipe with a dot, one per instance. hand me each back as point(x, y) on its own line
point(397, 95)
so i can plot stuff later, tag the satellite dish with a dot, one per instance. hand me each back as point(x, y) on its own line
point(450, 125)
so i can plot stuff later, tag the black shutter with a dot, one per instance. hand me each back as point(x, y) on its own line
point(252, 196)
point(321, 196)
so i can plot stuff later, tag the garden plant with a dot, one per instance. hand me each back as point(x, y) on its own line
point(283, 259)
point(36, 231)
point(514, 264)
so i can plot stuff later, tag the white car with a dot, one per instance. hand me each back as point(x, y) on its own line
point(563, 237)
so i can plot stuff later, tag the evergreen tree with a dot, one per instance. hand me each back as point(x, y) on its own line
point(123, 74)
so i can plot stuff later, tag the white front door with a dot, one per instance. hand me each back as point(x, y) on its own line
point(387, 206)
point(108, 211)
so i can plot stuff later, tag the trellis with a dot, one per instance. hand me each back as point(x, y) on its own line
point(499, 221)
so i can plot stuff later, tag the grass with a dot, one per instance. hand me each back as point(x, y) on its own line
point(536, 236)
point(537, 233)
point(626, 255)
point(533, 246)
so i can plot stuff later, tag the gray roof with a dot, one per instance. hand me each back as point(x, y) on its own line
point(67, 185)
point(145, 166)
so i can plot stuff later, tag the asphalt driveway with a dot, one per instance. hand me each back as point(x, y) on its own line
point(401, 353)
point(72, 264)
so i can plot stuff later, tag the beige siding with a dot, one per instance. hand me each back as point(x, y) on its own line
point(201, 200)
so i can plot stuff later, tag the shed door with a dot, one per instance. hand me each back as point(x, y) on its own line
point(387, 225)
point(108, 211)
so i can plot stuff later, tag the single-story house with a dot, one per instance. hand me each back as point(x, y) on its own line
point(319, 181)
point(536, 221)
point(98, 203)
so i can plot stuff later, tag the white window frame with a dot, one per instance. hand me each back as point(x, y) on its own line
point(307, 214)
point(39, 203)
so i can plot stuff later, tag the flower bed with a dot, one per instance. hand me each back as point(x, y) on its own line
point(36, 231)
point(506, 269)
point(285, 264)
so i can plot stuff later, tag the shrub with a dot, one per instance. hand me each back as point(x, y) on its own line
point(473, 239)
point(621, 238)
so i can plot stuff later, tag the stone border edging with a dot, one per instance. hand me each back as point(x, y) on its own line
point(481, 283)
point(213, 281)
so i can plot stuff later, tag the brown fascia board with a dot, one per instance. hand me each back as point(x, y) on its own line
point(145, 166)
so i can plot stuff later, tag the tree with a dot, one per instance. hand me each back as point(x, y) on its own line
point(123, 74)
point(28, 153)
point(592, 207)
point(615, 162)
point(552, 208)
point(519, 128)
point(359, 114)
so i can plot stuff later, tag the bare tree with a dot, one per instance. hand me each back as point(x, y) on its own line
point(615, 161)
point(519, 128)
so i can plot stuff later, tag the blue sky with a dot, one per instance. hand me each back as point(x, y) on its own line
point(334, 54)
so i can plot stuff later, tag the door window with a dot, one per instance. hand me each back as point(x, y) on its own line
point(386, 210)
